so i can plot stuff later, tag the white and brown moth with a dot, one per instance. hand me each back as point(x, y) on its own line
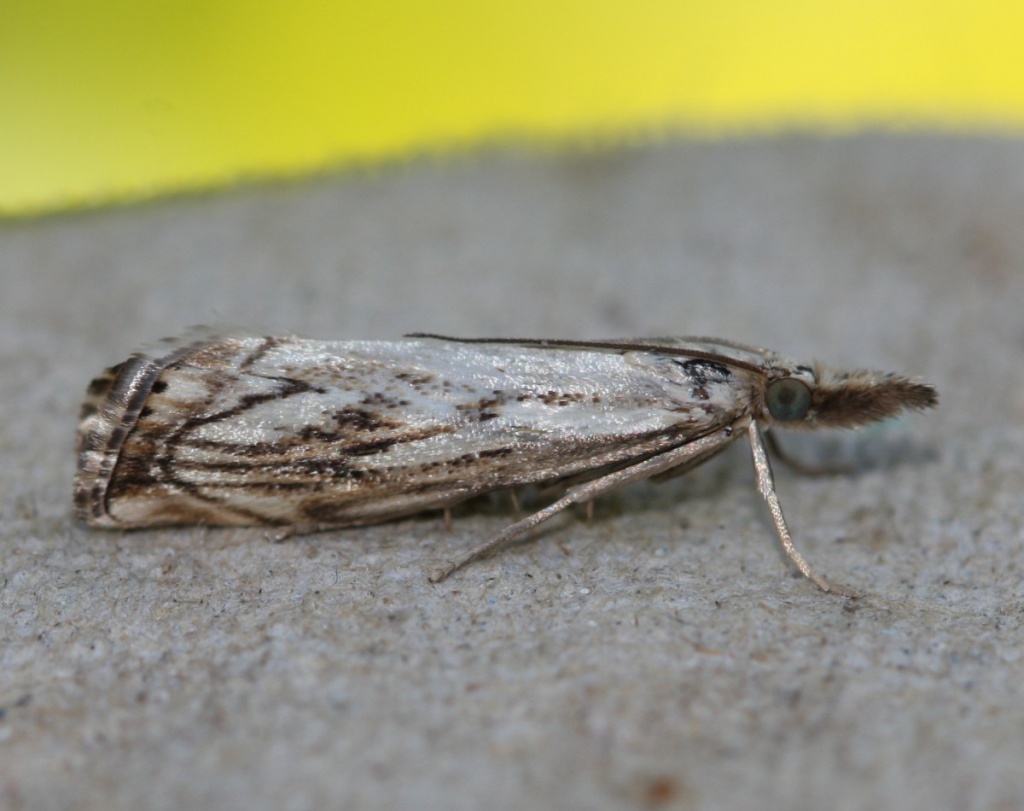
point(282, 431)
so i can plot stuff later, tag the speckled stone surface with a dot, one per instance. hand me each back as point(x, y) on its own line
point(663, 655)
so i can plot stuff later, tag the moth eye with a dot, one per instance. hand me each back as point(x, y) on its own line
point(788, 399)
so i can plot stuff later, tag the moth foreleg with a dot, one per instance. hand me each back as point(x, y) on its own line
point(588, 491)
point(766, 487)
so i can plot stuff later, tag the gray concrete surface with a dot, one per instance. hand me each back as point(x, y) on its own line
point(662, 656)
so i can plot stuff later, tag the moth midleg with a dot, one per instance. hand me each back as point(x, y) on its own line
point(690, 464)
point(766, 487)
point(588, 491)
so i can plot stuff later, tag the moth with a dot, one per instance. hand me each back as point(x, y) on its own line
point(225, 429)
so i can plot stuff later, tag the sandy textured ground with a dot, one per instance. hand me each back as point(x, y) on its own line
point(663, 655)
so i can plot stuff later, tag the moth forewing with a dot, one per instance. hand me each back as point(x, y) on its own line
point(282, 431)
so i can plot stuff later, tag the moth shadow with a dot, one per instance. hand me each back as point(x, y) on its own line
point(843, 454)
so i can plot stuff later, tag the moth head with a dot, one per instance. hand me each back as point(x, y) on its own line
point(802, 397)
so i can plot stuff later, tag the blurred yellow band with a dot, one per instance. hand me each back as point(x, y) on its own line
point(107, 101)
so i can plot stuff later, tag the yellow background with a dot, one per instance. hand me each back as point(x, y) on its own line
point(104, 101)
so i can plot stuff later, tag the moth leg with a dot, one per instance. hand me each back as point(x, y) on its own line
point(690, 464)
point(282, 534)
point(448, 519)
point(588, 491)
point(516, 506)
point(766, 487)
point(590, 511)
